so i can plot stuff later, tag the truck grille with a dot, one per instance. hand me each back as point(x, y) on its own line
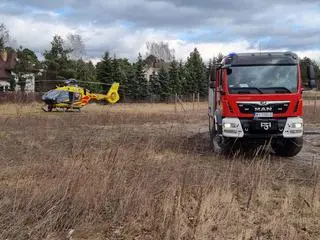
point(272, 106)
point(251, 126)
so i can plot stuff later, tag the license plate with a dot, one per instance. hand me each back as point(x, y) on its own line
point(263, 115)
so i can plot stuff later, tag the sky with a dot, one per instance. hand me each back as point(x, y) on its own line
point(123, 27)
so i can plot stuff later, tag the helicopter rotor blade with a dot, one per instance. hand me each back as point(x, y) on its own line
point(64, 80)
point(107, 84)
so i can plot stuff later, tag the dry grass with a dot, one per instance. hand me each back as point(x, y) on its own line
point(311, 112)
point(144, 172)
point(311, 94)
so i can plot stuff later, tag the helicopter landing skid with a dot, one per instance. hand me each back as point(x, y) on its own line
point(59, 109)
point(47, 108)
point(72, 110)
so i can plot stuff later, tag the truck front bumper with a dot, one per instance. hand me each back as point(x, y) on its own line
point(291, 127)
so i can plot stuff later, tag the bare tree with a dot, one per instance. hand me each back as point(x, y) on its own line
point(75, 43)
point(4, 36)
point(160, 50)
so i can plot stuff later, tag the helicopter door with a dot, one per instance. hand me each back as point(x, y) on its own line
point(77, 97)
point(71, 95)
point(64, 97)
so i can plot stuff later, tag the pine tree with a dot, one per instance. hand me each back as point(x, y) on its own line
point(131, 87)
point(56, 59)
point(164, 83)
point(116, 70)
point(174, 81)
point(142, 90)
point(182, 79)
point(196, 74)
point(203, 81)
point(127, 77)
point(219, 57)
point(104, 71)
point(91, 71)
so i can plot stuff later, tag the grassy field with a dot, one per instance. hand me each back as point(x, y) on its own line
point(144, 171)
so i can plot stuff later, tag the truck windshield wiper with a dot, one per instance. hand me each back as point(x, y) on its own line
point(282, 89)
point(247, 90)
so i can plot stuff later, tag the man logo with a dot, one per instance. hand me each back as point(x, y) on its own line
point(263, 109)
point(266, 125)
point(263, 103)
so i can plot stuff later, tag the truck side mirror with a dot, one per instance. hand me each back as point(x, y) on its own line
point(212, 80)
point(312, 84)
point(311, 76)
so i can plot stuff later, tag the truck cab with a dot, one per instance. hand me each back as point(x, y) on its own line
point(256, 98)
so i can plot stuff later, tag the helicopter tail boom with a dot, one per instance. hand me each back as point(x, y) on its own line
point(112, 95)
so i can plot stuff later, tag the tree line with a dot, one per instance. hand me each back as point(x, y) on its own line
point(65, 59)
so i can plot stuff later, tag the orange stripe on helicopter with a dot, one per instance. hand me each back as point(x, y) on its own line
point(85, 100)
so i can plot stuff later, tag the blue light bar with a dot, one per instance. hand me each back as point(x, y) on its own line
point(232, 54)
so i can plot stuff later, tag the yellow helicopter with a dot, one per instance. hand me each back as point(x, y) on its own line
point(72, 97)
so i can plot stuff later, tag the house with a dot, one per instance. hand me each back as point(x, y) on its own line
point(7, 62)
point(30, 82)
point(153, 64)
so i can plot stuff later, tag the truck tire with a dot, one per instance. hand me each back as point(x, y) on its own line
point(219, 143)
point(287, 147)
point(228, 146)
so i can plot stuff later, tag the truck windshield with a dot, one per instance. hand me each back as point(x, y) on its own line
point(263, 79)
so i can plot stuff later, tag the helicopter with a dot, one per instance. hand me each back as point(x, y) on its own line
point(70, 96)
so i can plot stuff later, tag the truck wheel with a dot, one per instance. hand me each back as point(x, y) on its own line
point(287, 147)
point(229, 146)
point(219, 143)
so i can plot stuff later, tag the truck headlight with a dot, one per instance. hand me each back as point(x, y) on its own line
point(230, 125)
point(293, 127)
point(296, 125)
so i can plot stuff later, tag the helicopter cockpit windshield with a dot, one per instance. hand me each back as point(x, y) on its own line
point(60, 96)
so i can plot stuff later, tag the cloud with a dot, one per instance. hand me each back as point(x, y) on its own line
point(123, 26)
point(116, 39)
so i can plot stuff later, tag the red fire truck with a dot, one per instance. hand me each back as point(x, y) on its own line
point(256, 98)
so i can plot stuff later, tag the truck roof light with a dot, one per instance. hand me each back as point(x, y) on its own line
point(229, 58)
